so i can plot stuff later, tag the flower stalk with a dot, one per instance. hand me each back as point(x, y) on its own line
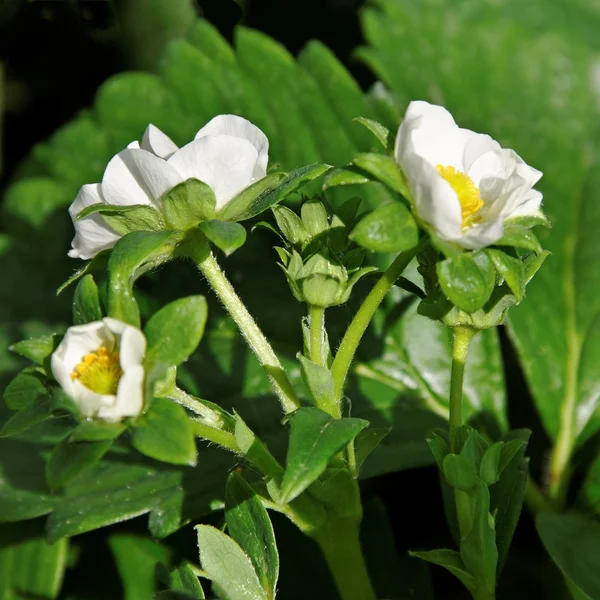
point(317, 334)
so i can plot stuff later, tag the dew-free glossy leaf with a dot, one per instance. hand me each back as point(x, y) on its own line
point(227, 236)
point(86, 301)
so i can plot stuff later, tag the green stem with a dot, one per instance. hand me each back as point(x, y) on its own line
point(317, 334)
point(359, 324)
point(460, 347)
point(257, 341)
point(212, 417)
point(217, 436)
point(340, 543)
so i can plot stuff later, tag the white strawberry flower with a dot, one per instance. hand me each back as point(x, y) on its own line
point(463, 184)
point(229, 154)
point(99, 365)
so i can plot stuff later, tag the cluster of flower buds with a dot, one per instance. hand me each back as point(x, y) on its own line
point(320, 262)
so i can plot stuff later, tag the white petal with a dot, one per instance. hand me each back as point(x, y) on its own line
point(133, 348)
point(530, 206)
point(158, 143)
point(239, 127)
point(135, 145)
point(435, 200)
point(481, 236)
point(81, 340)
point(90, 403)
point(421, 116)
point(130, 397)
point(477, 144)
point(92, 234)
point(60, 372)
point(137, 177)
point(225, 163)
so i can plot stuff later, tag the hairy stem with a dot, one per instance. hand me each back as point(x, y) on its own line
point(359, 324)
point(317, 334)
point(257, 341)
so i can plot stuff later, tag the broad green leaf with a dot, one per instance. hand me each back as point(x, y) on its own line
point(385, 169)
point(249, 200)
point(366, 441)
point(467, 280)
point(227, 236)
point(175, 331)
point(315, 438)
point(227, 566)
point(134, 254)
point(184, 579)
point(165, 433)
point(27, 417)
point(459, 472)
point(136, 558)
point(86, 301)
point(249, 525)
point(29, 566)
point(37, 350)
point(573, 542)
point(389, 228)
point(382, 133)
point(344, 176)
point(69, 458)
point(189, 203)
point(96, 431)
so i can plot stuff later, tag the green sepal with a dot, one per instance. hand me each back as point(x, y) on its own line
point(133, 255)
point(539, 219)
point(439, 448)
point(314, 217)
point(382, 134)
point(249, 201)
point(249, 525)
point(225, 235)
point(519, 236)
point(511, 270)
point(189, 203)
point(291, 226)
point(125, 219)
point(383, 168)
point(86, 302)
point(165, 433)
point(532, 264)
point(70, 458)
point(345, 176)
point(467, 280)
point(489, 469)
point(389, 228)
point(98, 263)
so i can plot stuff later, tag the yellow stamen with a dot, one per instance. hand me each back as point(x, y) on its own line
point(99, 371)
point(467, 192)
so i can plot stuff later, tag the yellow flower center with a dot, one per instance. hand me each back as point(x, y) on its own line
point(467, 192)
point(99, 371)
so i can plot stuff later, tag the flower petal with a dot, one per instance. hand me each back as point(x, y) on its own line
point(481, 236)
point(239, 127)
point(137, 177)
point(135, 145)
point(158, 143)
point(130, 397)
point(477, 144)
point(435, 200)
point(90, 403)
point(92, 234)
point(225, 163)
point(530, 205)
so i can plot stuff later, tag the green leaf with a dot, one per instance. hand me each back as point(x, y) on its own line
point(86, 301)
point(573, 542)
point(478, 548)
point(249, 525)
point(38, 350)
point(226, 235)
point(439, 448)
point(367, 441)
point(451, 560)
point(136, 558)
point(26, 389)
point(250, 200)
point(345, 176)
point(385, 169)
point(519, 236)
point(489, 469)
point(174, 331)
point(27, 417)
point(125, 219)
point(227, 566)
point(22, 547)
point(189, 203)
point(319, 381)
point(467, 280)
point(132, 256)
point(383, 134)
point(315, 438)
point(96, 431)
point(97, 263)
point(389, 228)
point(68, 459)
point(512, 271)
point(293, 182)
point(165, 433)
point(459, 472)
point(184, 579)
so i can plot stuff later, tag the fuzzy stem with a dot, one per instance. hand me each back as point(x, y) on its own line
point(317, 334)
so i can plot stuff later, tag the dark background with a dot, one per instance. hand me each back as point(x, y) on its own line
point(56, 53)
